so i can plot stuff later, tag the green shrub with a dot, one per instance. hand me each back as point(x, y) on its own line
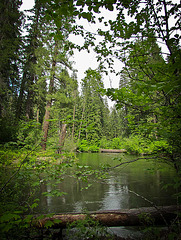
point(104, 143)
point(136, 144)
point(93, 148)
point(29, 134)
point(87, 229)
point(116, 143)
point(83, 146)
point(159, 145)
point(70, 145)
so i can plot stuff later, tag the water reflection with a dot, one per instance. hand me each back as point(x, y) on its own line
point(143, 177)
point(116, 197)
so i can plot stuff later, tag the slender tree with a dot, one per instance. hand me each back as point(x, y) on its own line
point(93, 106)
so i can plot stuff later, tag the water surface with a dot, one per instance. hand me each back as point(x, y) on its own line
point(144, 177)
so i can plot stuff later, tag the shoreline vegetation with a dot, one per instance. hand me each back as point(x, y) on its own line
point(47, 113)
point(54, 166)
point(134, 144)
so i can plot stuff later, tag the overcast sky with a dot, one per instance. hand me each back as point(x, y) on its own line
point(84, 60)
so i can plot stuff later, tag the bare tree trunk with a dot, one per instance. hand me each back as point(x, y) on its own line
point(49, 103)
point(83, 110)
point(20, 98)
point(37, 114)
point(62, 138)
point(73, 126)
point(46, 125)
point(155, 121)
point(29, 102)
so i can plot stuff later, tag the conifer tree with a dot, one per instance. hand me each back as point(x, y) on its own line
point(93, 106)
point(10, 65)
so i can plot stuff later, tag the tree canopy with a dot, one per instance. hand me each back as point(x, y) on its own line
point(45, 114)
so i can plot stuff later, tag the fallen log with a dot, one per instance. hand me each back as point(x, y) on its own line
point(113, 150)
point(127, 217)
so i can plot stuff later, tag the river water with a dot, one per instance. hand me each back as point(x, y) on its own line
point(125, 187)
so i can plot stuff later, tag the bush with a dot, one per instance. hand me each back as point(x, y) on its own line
point(85, 146)
point(69, 145)
point(104, 143)
point(116, 143)
point(87, 229)
point(93, 148)
point(136, 144)
point(159, 145)
point(29, 134)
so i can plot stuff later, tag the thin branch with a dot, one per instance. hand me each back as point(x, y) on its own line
point(131, 161)
point(152, 203)
point(23, 161)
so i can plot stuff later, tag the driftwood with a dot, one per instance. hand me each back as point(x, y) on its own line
point(113, 150)
point(127, 217)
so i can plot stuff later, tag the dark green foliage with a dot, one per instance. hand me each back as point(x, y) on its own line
point(87, 229)
point(29, 134)
point(10, 54)
point(35, 80)
point(94, 108)
point(23, 175)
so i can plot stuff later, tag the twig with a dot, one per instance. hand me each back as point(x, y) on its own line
point(23, 161)
point(147, 200)
point(131, 162)
point(152, 203)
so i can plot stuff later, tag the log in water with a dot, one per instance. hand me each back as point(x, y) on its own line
point(113, 150)
point(127, 217)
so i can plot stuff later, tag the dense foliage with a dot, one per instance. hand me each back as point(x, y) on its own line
point(42, 109)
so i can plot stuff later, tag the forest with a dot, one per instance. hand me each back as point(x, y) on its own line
point(47, 114)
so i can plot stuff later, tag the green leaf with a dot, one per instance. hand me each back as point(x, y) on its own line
point(34, 205)
point(87, 15)
point(9, 216)
point(110, 7)
point(49, 223)
point(96, 8)
point(79, 3)
point(57, 221)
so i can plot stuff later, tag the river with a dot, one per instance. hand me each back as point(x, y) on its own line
point(125, 187)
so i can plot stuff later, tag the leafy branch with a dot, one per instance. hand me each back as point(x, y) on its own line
point(20, 166)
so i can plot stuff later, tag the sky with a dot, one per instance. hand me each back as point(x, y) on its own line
point(84, 60)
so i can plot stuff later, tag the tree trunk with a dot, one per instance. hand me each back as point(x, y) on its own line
point(62, 138)
point(37, 114)
point(20, 98)
point(127, 217)
point(49, 103)
point(83, 110)
point(73, 126)
point(29, 103)
point(46, 125)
